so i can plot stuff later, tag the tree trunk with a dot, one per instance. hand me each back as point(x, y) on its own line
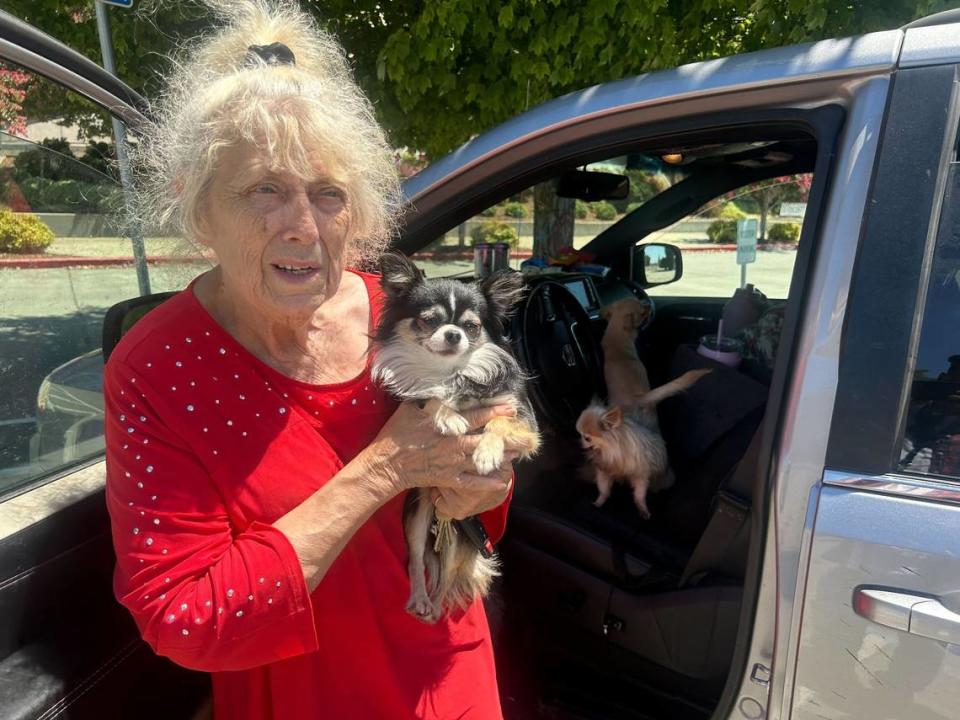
point(553, 219)
point(763, 200)
point(462, 235)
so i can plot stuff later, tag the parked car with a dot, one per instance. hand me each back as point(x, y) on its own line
point(805, 563)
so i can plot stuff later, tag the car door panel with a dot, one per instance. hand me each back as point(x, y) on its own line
point(68, 648)
point(849, 665)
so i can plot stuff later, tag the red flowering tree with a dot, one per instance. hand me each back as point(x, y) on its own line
point(13, 91)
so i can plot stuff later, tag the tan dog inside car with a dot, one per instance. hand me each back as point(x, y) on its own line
point(628, 386)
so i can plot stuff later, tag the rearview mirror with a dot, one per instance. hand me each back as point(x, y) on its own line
point(656, 264)
point(589, 185)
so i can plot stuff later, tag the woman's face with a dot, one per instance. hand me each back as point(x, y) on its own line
point(280, 239)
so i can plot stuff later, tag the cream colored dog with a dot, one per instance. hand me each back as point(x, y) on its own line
point(622, 438)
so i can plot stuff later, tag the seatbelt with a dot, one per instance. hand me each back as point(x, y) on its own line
point(723, 545)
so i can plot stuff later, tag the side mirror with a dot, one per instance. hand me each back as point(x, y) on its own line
point(655, 264)
point(589, 185)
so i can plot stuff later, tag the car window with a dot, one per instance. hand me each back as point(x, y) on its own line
point(708, 240)
point(511, 223)
point(64, 260)
point(931, 442)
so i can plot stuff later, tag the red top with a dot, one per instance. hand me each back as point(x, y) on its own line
point(206, 447)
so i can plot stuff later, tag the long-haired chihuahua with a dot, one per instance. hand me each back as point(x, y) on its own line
point(442, 342)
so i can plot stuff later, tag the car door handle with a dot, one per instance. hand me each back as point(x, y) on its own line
point(916, 614)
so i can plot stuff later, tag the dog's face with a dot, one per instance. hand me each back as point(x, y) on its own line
point(628, 314)
point(596, 425)
point(448, 319)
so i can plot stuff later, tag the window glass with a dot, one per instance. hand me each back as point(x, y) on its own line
point(708, 240)
point(566, 222)
point(64, 260)
point(931, 443)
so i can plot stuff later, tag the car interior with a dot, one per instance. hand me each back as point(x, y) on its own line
point(598, 614)
point(602, 614)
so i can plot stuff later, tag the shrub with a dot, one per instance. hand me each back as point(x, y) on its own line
point(580, 209)
point(45, 195)
point(722, 231)
point(784, 232)
point(633, 206)
point(492, 232)
point(100, 157)
point(53, 160)
point(732, 212)
point(603, 210)
point(23, 233)
point(490, 211)
point(515, 210)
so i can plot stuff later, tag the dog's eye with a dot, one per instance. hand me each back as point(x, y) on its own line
point(472, 329)
point(428, 322)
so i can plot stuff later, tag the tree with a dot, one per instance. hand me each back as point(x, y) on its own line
point(770, 193)
point(13, 91)
point(143, 38)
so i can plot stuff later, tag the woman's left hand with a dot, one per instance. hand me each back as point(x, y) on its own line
point(460, 504)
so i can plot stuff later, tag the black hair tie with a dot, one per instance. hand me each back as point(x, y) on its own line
point(273, 54)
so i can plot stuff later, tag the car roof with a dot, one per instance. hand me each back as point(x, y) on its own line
point(870, 53)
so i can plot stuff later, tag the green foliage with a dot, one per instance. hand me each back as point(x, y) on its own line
point(100, 156)
point(603, 210)
point(581, 209)
point(490, 211)
point(515, 210)
point(142, 39)
point(52, 159)
point(495, 232)
point(722, 231)
point(76, 196)
point(415, 56)
point(787, 232)
point(23, 233)
point(732, 212)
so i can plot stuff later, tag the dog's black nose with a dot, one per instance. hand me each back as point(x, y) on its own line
point(452, 337)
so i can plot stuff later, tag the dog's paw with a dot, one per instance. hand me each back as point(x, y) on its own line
point(488, 456)
point(600, 501)
point(422, 609)
point(450, 422)
point(643, 510)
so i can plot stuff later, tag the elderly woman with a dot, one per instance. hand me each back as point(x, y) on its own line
point(255, 473)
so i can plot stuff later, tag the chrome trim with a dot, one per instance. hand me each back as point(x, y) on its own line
point(897, 485)
point(49, 69)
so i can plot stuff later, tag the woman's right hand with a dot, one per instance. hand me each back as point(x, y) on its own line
point(409, 452)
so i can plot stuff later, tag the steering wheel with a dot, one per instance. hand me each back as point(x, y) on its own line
point(558, 348)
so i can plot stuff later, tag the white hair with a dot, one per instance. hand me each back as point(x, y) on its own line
point(220, 95)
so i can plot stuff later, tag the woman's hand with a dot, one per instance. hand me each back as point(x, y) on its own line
point(477, 494)
point(409, 452)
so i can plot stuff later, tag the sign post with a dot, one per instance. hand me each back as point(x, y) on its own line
point(746, 246)
point(120, 142)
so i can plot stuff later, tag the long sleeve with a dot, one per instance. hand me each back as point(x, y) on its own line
point(495, 520)
point(205, 593)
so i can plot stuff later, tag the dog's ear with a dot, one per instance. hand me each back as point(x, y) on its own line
point(398, 274)
point(612, 418)
point(503, 291)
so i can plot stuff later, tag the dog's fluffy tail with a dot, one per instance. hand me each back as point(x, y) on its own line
point(651, 399)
